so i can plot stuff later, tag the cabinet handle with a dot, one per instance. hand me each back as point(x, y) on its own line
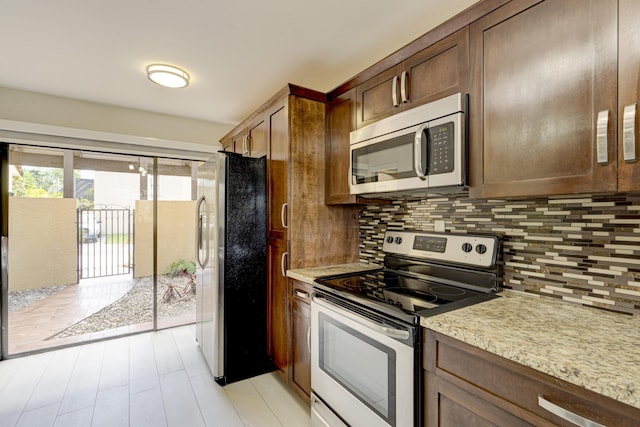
point(629, 133)
point(245, 145)
point(394, 92)
point(403, 87)
point(283, 212)
point(309, 339)
point(301, 294)
point(283, 264)
point(602, 131)
point(565, 414)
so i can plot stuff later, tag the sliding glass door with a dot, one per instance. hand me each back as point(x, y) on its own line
point(99, 244)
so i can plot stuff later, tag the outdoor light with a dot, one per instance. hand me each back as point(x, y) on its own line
point(167, 75)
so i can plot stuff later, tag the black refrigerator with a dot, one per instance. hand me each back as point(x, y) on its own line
point(231, 268)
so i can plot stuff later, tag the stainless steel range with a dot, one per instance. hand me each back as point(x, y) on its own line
point(366, 341)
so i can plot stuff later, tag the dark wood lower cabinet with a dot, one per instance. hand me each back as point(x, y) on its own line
point(467, 386)
point(300, 295)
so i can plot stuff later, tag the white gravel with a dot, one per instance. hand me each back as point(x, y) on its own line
point(23, 298)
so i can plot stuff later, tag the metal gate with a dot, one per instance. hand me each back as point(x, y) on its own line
point(105, 242)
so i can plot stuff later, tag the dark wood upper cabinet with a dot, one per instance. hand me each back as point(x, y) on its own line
point(543, 100)
point(439, 70)
point(341, 120)
point(629, 90)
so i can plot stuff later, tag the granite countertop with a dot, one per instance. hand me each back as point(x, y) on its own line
point(308, 275)
point(594, 349)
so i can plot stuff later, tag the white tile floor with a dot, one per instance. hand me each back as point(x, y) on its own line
point(154, 379)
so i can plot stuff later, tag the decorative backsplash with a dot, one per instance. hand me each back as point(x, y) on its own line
point(583, 249)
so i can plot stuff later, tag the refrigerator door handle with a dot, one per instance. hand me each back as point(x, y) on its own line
point(200, 232)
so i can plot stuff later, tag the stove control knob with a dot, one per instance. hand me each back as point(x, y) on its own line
point(466, 247)
point(389, 239)
point(398, 240)
point(481, 249)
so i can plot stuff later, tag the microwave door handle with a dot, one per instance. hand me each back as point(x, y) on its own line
point(417, 152)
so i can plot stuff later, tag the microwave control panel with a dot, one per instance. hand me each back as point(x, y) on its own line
point(441, 148)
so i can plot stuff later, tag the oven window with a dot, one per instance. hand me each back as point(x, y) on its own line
point(363, 366)
point(384, 161)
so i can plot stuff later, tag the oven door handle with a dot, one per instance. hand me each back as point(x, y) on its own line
point(384, 329)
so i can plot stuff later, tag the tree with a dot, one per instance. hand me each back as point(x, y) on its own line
point(39, 182)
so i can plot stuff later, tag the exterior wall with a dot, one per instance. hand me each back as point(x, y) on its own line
point(176, 234)
point(582, 249)
point(43, 249)
point(116, 188)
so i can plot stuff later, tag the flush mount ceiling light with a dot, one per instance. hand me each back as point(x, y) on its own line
point(167, 75)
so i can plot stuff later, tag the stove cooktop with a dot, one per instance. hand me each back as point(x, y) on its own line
point(401, 296)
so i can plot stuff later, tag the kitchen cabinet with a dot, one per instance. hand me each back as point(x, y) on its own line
point(341, 120)
point(465, 385)
point(302, 231)
point(440, 70)
point(543, 97)
point(251, 142)
point(628, 94)
point(300, 296)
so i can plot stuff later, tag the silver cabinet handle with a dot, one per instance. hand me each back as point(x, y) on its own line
point(602, 132)
point(394, 92)
point(565, 414)
point(283, 212)
point(245, 145)
point(283, 264)
point(629, 133)
point(301, 294)
point(403, 87)
point(309, 339)
point(417, 153)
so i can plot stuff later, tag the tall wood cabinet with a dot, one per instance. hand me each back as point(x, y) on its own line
point(546, 105)
point(302, 231)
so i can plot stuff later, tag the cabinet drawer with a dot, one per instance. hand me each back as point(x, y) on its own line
point(301, 291)
point(517, 388)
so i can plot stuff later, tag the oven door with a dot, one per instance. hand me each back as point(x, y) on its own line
point(362, 364)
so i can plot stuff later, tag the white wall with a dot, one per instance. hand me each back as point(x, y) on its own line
point(31, 107)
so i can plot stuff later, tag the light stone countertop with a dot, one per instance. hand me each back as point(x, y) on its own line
point(308, 275)
point(591, 348)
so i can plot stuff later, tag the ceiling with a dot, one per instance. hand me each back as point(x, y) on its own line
point(237, 52)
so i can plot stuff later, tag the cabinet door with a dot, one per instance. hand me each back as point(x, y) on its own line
point(278, 173)
point(438, 71)
point(375, 97)
point(278, 305)
point(239, 143)
point(543, 73)
point(257, 139)
point(341, 120)
point(629, 81)
point(301, 355)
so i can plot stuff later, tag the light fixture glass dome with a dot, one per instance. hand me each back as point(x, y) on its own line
point(167, 75)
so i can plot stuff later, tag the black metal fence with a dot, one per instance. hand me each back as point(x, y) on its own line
point(105, 242)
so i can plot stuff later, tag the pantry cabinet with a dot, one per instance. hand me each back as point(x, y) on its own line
point(440, 70)
point(465, 385)
point(544, 97)
point(341, 120)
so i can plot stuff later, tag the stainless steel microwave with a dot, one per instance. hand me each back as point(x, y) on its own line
point(416, 150)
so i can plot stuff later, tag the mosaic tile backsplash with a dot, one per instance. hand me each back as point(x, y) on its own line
point(584, 250)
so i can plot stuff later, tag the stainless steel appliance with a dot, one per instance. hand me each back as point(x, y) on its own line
point(231, 294)
point(413, 151)
point(365, 334)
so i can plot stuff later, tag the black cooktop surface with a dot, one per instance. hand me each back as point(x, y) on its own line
point(402, 296)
